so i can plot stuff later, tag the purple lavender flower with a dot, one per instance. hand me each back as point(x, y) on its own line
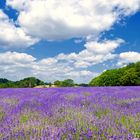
point(68, 113)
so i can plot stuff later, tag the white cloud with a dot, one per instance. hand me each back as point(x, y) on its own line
point(95, 52)
point(14, 66)
point(12, 36)
point(53, 19)
point(15, 58)
point(93, 59)
point(48, 61)
point(59, 20)
point(128, 57)
point(104, 47)
point(19, 5)
point(127, 7)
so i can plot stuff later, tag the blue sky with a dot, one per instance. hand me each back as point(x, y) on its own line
point(78, 42)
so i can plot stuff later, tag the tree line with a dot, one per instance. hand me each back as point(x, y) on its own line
point(24, 83)
point(31, 82)
point(126, 76)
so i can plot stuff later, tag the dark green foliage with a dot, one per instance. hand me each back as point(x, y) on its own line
point(126, 76)
point(82, 85)
point(68, 83)
point(29, 82)
point(3, 80)
point(4, 83)
point(58, 83)
point(65, 83)
point(130, 77)
point(26, 82)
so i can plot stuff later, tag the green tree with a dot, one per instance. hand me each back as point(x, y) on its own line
point(127, 76)
point(50, 84)
point(58, 83)
point(68, 83)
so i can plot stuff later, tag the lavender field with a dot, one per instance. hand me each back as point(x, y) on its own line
point(109, 113)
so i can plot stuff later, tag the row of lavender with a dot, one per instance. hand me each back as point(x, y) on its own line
point(70, 113)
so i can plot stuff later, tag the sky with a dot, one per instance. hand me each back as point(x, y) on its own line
point(76, 39)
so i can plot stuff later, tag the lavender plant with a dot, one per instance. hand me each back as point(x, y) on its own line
point(105, 113)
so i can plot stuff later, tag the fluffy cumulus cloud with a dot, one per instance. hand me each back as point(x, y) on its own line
point(15, 66)
point(128, 57)
point(59, 19)
point(12, 36)
point(15, 58)
point(104, 47)
point(74, 65)
point(95, 52)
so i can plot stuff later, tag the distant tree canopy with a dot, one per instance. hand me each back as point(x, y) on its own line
point(68, 83)
point(29, 82)
point(58, 83)
point(32, 82)
point(26, 82)
point(65, 83)
point(126, 76)
point(3, 80)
